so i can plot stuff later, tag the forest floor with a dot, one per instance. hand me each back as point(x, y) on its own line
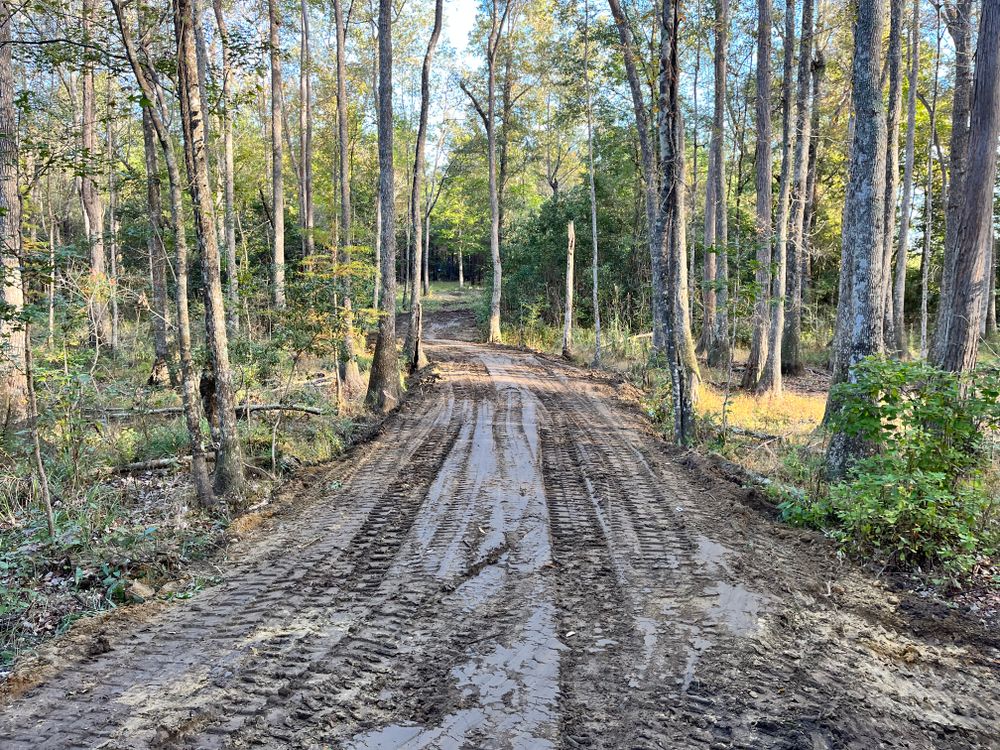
point(516, 560)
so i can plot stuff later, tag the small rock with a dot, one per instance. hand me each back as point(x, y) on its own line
point(139, 592)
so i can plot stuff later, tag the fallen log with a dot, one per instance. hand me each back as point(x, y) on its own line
point(241, 411)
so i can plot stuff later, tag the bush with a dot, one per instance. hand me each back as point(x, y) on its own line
point(920, 498)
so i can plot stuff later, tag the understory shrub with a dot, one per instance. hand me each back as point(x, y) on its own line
point(922, 496)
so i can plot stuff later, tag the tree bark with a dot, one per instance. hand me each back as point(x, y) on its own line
point(894, 63)
point(13, 380)
point(906, 209)
point(567, 339)
point(591, 185)
point(157, 255)
point(957, 342)
point(925, 255)
point(277, 179)
point(718, 351)
point(861, 243)
point(189, 386)
point(414, 345)
point(791, 356)
point(90, 196)
point(305, 133)
point(383, 383)
point(764, 228)
point(229, 457)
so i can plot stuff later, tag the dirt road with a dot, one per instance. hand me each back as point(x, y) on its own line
point(515, 562)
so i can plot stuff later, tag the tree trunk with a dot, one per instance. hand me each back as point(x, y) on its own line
point(764, 229)
point(229, 456)
point(591, 185)
point(305, 133)
point(718, 352)
point(414, 345)
point(707, 338)
point(957, 341)
point(157, 256)
point(567, 339)
point(277, 180)
point(861, 248)
point(818, 71)
point(925, 255)
point(648, 159)
point(228, 172)
point(958, 17)
point(383, 383)
point(894, 63)
point(770, 380)
point(350, 374)
point(991, 300)
point(906, 210)
point(100, 319)
point(13, 382)
point(189, 388)
point(791, 356)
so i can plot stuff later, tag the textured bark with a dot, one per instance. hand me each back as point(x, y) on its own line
point(670, 230)
point(414, 346)
point(861, 242)
point(350, 374)
point(189, 386)
point(791, 355)
point(764, 228)
point(957, 342)
point(229, 456)
point(383, 383)
point(13, 380)
point(648, 159)
point(718, 351)
point(894, 62)
point(958, 16)
point(567, 337)
point(100, 318)
point(770, 379)
point(157, 253)
point(706, 339)
point(591, 186)
point(305, 134)
point(925, 255)
point(277, 180)
point(991, 299)
point(906, 208)
point(818, 73)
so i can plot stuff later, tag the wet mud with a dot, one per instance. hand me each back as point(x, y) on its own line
point(517, 562)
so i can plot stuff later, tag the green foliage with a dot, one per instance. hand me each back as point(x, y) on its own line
point(919, 499)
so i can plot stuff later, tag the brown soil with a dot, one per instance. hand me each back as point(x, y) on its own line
point(515, 561)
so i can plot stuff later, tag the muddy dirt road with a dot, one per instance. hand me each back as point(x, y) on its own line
point(515, 562)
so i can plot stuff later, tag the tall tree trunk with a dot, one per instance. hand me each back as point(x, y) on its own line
point(100, 319)
point(791, 356)
point(894, 64)
point(414, 345)
point(906, 210)
point(770, 380)
point(189, 386)
point(13, 382)
point(113, 253)
point(991, 300)
point(718, 352)
point(764, 228)
point(350, 374)
point(277, 180)
point(861, 249)
point(925, 255)
point(157, 256)
point(818, 72)
point(648, 159)
point(228, 174)
point(670, 217)
point(707, 337)
point(305, 133)
point(383, 383)
point(957, 341)
point(958, 17)
point(229, 455)
point(591, 185)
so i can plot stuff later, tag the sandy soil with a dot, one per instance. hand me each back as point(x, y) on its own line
point(516, 561)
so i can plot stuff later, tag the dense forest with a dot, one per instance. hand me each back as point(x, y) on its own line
point(233, 229)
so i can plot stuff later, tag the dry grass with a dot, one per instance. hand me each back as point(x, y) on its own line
point(788, 414)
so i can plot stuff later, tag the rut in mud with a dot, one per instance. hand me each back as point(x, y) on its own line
point(515, 562)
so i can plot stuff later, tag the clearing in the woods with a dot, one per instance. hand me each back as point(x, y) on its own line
point(516, 561)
